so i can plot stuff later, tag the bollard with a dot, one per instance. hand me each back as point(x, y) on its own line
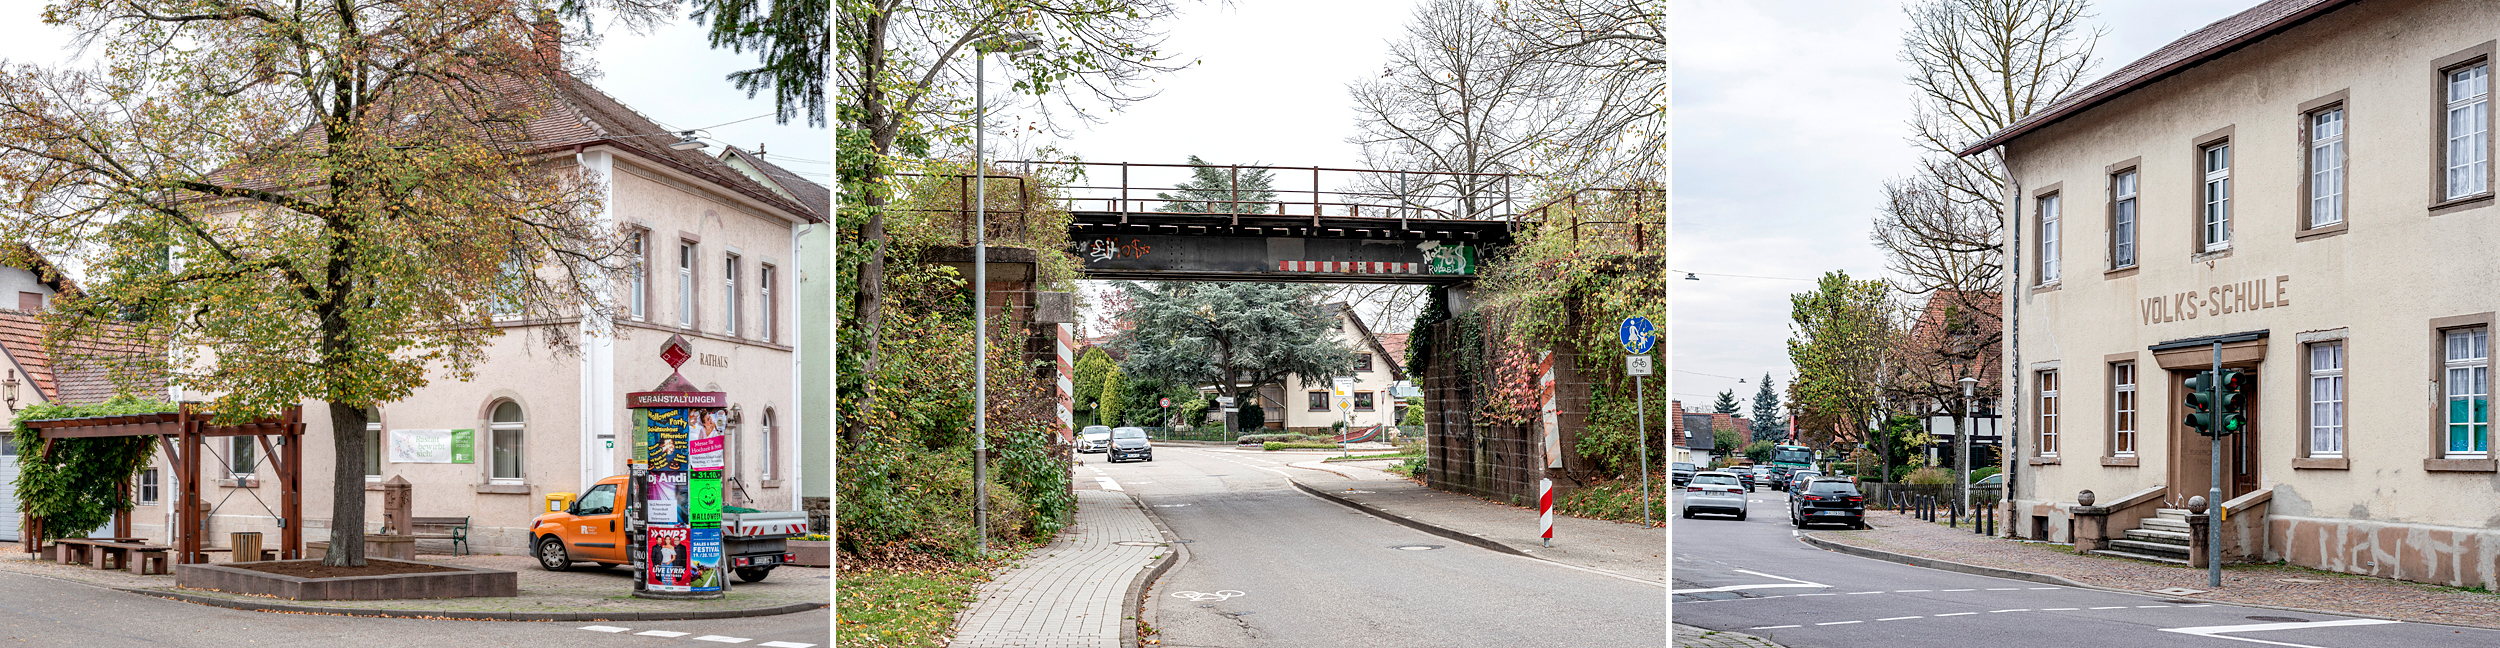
point(1955, 518)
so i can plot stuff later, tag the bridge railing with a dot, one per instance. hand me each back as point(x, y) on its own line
point(1637, 212)
point(1133, 187)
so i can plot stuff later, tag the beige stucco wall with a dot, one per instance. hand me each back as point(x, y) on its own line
point(1297, 400)
point(557, 390)
point(2381, 282)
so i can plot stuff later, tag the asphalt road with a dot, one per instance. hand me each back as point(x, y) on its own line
point(37, 611)
point(1756, 577)
point(1269, 565)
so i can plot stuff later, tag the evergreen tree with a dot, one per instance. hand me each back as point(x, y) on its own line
point(1726, 403)
point(1235, 336)
point(1091, 367)
point(1766, 413)
point(1114, 392)
point(1212, 189)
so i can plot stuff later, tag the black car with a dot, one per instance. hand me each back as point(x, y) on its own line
point(1744, 475)
point(1683, 472)
point(1779, 478)
point(1131, 443)
point(1826, 501)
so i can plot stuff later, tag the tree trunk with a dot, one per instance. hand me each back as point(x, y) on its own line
point(347, 488)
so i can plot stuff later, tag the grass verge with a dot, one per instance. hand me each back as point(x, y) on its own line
point(1617, 500)
point(1276, 445)
point(910, 602)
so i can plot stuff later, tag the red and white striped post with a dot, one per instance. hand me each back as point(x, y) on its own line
point(1545, 508)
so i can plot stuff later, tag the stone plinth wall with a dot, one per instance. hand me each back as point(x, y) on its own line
point(467, 582)
point(2423, 553)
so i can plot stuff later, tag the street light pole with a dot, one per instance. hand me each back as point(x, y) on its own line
point(1962, 427)
point(1011, 42)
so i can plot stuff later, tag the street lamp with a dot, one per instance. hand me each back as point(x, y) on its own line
point(1009, 43)
point(1961, 442)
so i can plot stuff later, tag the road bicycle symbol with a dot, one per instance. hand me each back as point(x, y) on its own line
point(1202, 597)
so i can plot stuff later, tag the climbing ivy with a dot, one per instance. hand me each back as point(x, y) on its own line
point(77, 485)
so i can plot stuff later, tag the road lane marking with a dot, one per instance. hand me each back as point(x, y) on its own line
point(1957, 614)
point(2014, 610)
point(663, 633)
point(2199, 605)
point(2217, 631)
point(1906, 618)
point(786, 644)
point(2047, 588)
point(1856, 593)
point(2057, 609)
point(1822, 594)
point(1775, 627)
point(2005, 589)
point(2151, 606)
point(1909, 591)
point(721, 639)
point(1962, 590)
point(2113, 607)
point(1839, 623)
point(609, 629)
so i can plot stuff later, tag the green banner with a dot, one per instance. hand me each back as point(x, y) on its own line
point(703, 500)
point(464, 446)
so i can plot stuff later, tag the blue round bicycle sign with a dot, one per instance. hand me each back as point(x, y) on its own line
point(1637, 335)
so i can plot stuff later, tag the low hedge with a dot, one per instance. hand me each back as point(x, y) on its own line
point(1274, 438)
point(1275, 445)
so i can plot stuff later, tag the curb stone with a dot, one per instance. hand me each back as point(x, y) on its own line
point(1695, 637)
point(1132, 605)
point(2053, 579)
point(441, 615)
point(1452, 534)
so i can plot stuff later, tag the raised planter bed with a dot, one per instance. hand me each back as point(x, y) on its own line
point(443, 581)
point(812, 553)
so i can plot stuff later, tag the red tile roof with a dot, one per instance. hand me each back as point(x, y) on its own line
point(2214, 41)
point(85, 378)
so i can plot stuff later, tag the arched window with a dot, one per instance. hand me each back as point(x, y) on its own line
point(772, 448)
point(504, 443)
point(373, 443)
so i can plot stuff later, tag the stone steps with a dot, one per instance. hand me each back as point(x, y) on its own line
point(2160, 524)
point(2171, 514)
point(2179, 538)
point(2137, 556)
point(2152, 548)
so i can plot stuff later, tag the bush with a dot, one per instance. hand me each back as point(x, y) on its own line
point(1251, 416)
point(1929, 476)
point(1279, 445)
point(1983, 473)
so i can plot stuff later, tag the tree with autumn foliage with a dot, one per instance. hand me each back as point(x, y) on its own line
point(1841, 334)
point(310, 201)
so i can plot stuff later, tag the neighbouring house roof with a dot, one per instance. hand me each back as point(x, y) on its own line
point(1934, 327)
point(816, 197)
point(21, 338)
point(24, 257)
point(2212, 42)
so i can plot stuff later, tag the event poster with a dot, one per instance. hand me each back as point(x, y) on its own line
point(704, 551)
point(708, 440)
point(663, 499)
point(703, 494)
point(671, 560)
point(666, 433)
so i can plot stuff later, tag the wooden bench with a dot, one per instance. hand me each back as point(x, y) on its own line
point(455, 529)
point(115, 553)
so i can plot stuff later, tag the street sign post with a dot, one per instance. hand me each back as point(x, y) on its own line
point(1637, 334)
point(1345, 412)
point(1545, 509)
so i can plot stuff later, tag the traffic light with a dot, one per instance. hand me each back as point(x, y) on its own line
point(2199, 397)
point(2232, 411)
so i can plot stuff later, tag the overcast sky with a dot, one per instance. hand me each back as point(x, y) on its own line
point(669, 75)
point(1789, 117)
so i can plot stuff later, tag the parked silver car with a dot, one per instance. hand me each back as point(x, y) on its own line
point(1094, 438)
point(1715, 492)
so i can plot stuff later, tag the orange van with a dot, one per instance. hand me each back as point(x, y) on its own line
point(591, 528)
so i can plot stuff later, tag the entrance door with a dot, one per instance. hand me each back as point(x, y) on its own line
point(8, 494)
point(2243, 460)
point(2191, 453)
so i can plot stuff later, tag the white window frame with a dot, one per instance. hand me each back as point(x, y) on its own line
point(2468, 150)
point(764, 301)
point(2326, 166)
point(2048, 413)
point(685, 284)
point(641, 297)
point(2215, 194)
point(2325, 364)
point(2123, 404)
point(151, 487)
point(2049, 214)
point(239, 446)
point(729, 294)
point(520, 445)
point(2467, 377)
point(772, 446)
point(373, 448)
point(2122, 228)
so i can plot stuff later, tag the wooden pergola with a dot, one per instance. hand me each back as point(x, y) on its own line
point(182, 435)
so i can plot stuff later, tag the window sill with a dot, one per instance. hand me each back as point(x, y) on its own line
point(505, 489)
point(2129, 461)
point(2047, 287)
point(2210, 256)
point(2461, 465)
point(770, 483)
point(2042, 461)
point(2475, 201)
point(246, 482)
point(2117, 273)
point(2322, 232)
point(2321, 463)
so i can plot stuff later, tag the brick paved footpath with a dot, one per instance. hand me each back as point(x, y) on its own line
point(1692, 637)
point(1068, 594)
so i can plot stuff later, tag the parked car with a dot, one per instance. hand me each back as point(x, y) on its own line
point(1779, 478)
point(1800, 477)
point(591, 528)
point(1743, 475)
point(1761, 474)
point(1095, 438)
point(1683, 472)
point(1826, 501)
point(1715, 492)
point(1993, 486)
point(1131, 443)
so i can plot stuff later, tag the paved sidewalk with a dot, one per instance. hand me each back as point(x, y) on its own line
point(1067, 594)
point(587, 589)
point(1692, 637)
point(1616, 547)
point(2258, 584)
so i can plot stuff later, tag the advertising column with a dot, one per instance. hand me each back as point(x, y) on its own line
point(680, 450)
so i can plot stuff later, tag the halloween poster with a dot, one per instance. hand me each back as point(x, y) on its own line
point(665, 448)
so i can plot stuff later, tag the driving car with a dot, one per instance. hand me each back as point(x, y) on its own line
point(1095, 438)
point(1131, 443)
point(1743, 476)
point(1683, 472)
point(1825, 501)
point(1715, 492)
point(1762, 474)
point(1799, 477)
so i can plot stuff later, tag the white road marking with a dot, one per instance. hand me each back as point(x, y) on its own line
point(605, 629)
point(2199, 605)
point(1822, 594)
point(1962, 590)
point(2113, 607)
point(1775, 627)
point(1909, 591)
point(787, 644)
point(1957, 614)
point(2217, 631)
point(2057, 609)
point(1839, 623)
point(721, 639)
point(2151, 606)
point(2005, 589)
point(1856, 593)
point(663, 633)
point(2013, 610)
point(2047, 588)
point(1906, 618)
